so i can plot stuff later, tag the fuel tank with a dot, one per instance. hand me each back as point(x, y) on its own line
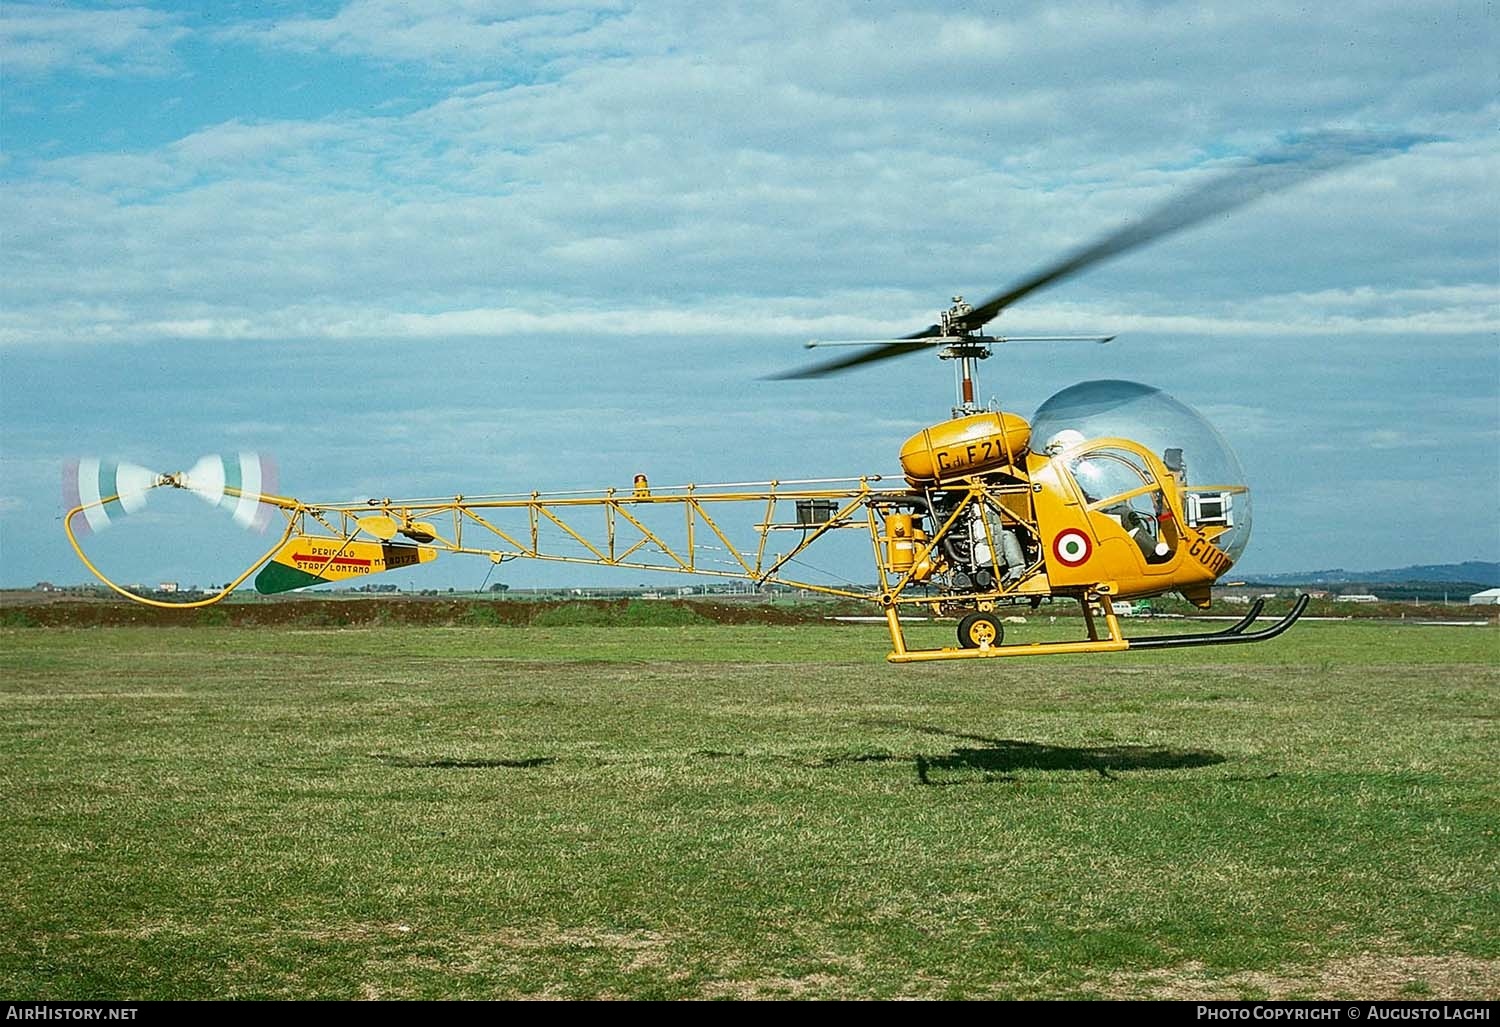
point(964, 445)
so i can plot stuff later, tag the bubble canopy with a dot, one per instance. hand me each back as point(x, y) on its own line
point(1150, 417)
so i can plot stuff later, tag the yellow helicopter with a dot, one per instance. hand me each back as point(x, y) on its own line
point(1110, 491)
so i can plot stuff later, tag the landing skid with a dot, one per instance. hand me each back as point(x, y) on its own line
point(1110, 640)
point(1229, 636)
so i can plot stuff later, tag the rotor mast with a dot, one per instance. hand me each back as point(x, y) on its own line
point(967, 348)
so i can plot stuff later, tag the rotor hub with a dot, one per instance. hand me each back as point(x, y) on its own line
point(954, 320)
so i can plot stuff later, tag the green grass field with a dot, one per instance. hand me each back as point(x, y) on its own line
point(710, 811)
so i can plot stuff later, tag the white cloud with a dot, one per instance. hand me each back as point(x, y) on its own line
point(722, 153)
point(1451, 312)
point(442, 36)
point(44, 39)
point(239, 147)
point(390, 215)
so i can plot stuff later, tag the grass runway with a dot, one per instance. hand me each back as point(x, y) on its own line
point(742, 812)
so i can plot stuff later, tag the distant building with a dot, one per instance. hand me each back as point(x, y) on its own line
point(1489, 597)
point(1354, 598)
point(167, 586)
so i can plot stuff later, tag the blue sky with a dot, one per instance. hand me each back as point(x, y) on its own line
point(423, 248)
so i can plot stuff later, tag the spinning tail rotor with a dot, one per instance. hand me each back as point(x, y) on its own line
point(98, 493)
point(104, 491)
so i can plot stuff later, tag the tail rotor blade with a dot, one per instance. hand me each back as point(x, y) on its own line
point(206, 479)
point(236, 483)
point(106, 490)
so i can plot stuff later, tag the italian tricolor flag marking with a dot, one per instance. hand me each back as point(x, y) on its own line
point(1072, 548)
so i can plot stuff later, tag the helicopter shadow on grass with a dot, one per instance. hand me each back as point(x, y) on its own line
point(994, 759)
point(997, 759)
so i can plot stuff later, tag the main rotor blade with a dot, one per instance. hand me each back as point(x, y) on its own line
point(1270, 172)
point(875, 350)
point(879, 352)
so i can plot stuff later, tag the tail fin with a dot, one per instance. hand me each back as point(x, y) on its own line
point(307, 560)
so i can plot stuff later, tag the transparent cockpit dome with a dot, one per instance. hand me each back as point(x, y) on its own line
point(1150, 417)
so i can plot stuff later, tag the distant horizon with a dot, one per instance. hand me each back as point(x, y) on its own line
point(1234, 575)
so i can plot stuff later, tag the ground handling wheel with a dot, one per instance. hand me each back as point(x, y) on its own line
point(980, 629)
